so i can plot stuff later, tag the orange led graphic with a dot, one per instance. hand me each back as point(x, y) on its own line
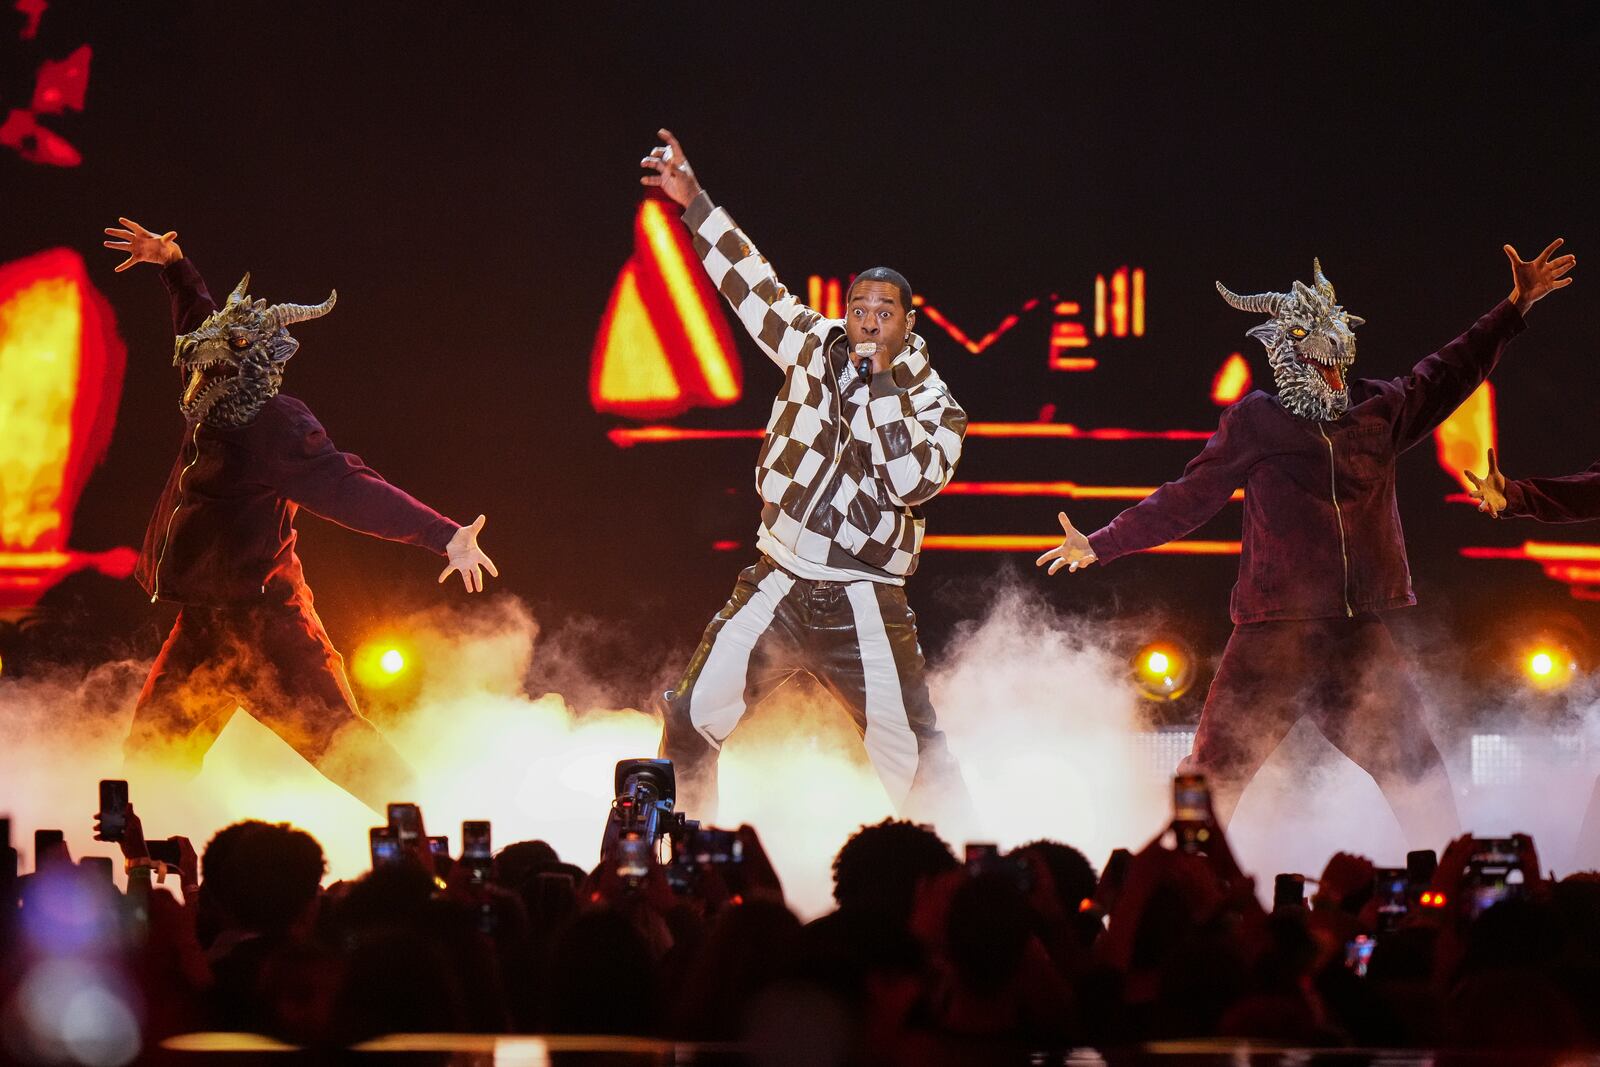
point(960, 337)
point(1069, 490)
point(1232, 381)
point(1032, 543)
point(825, 297)
point(1122, 312)
point(1576, 566)
point(628, 436)
point(664, 345)
point(61, 365)
point(1463, 440)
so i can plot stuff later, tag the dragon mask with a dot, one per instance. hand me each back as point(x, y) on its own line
point(1310, 343)
point(233, 361)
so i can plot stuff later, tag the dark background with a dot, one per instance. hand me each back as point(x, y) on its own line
point(466, 176)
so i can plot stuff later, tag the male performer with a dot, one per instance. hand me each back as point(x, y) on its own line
point(1568, 498)
point(1323, 555)
point(221, 543)
point(862, 433)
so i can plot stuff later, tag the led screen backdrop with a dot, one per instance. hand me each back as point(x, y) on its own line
point(521, 332)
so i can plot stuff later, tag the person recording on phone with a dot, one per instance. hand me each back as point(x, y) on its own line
point(863, 432)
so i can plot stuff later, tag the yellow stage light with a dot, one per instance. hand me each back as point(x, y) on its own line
point(1163, 670)
point(381, 663)
point(1549, 666)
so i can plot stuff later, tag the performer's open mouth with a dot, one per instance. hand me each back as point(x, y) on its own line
point(203, 379)
point(1332, 372)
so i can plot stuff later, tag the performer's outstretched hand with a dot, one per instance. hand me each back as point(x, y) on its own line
point(468, 558)
point(143, 246)
point(1533, 280)
point(1074, 551)
point(1490, 490)
point(673, 175)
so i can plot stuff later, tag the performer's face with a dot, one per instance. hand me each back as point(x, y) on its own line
point(876, 314)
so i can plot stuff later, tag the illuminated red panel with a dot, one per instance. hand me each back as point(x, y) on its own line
point(1462, 441)
point(664, 345)
point(61, 365)
point(1577, 566)
point(1067, 430)
point(626, 437)
point(1232, 381)
point(61, 84)
point(1031, 543)
point(22, 133)
point(1070, 490)
point(33, 11)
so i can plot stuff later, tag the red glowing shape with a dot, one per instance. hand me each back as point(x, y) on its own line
point(33, 10)
point(22, 133)
point(61, 365)
point(664, 345)
point(62, 83)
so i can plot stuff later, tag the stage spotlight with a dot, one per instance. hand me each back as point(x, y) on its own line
point(380, 664)
point(1163, 670)
point(1549, 666)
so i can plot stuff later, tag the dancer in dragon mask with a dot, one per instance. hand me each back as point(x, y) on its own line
point(222, 542)
point(1322, 556)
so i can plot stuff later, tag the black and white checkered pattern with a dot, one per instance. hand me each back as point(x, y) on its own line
point(837, 489)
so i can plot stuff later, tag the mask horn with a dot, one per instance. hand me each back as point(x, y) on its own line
point(239, 290)
point(1262, 303)
point(1324, 286)
point(288, 314)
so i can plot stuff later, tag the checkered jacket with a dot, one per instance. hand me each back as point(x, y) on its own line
point(842, 492)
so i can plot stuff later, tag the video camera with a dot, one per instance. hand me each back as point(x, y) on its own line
point(641, 815)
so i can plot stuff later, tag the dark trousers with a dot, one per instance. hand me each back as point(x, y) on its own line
point(272, 657)
point(1350, 679)
point(859, 640)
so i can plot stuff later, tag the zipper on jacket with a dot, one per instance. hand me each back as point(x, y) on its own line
point(1338, 514)
point(167, 536)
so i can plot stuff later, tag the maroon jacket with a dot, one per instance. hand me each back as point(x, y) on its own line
point(1321, 531)
point(1569, 498)
point(224, 529)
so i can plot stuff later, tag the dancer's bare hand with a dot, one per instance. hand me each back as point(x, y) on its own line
point(143, 246)
point(1533, 280)
point(1073, 552)
point(673, 175)
point(468, 558)
point(1490, 490)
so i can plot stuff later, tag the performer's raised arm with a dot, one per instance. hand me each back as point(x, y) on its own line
point(191, 301)
point(1568, 498)
point(770, 313)
point(338, 486)
point(1175, 509)
point(1441, 382)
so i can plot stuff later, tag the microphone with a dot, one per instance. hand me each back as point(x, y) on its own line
point(864, 353)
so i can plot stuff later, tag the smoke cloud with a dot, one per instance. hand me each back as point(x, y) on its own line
point(1038, 707)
